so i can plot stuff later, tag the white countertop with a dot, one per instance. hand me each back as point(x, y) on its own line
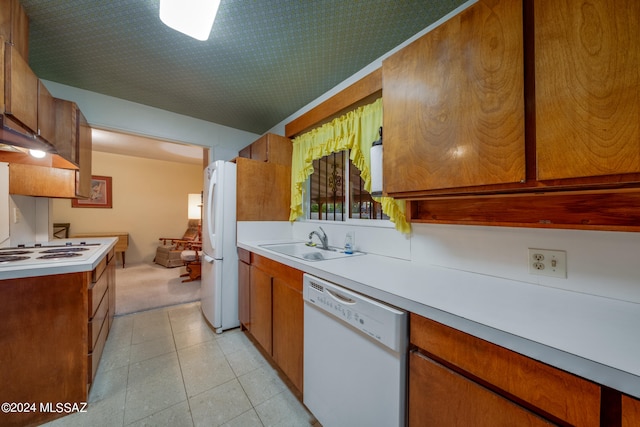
point(590, 336)
point(71, 265)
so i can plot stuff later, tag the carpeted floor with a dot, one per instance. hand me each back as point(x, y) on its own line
point(141, 287)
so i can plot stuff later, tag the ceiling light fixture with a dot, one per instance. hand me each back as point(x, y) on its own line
point(191, 17)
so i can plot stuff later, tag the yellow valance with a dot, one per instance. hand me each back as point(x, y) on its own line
point(355, 131)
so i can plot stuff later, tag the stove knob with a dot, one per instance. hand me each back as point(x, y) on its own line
point(21, 245)
point(38, 245)
point(68, 244)
point(83, 243)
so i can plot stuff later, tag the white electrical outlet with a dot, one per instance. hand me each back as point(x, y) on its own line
point(546, 262)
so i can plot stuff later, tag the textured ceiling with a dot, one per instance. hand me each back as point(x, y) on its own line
point(263, 61)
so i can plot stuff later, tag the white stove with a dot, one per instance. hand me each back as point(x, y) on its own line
point(38, 253)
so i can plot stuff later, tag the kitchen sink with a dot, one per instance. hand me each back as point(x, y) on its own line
point(309, 253)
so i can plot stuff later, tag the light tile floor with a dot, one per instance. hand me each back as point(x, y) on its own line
point(166, 367)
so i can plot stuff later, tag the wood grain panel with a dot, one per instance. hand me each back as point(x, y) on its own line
point(595, 210)
point(85, 143)
point(43, 343)
point(291, 276)
point(96, 322)
point(261, 323)
point(441, 397)
point(30, 180)
point(454, 103)
point(14, 25)
point(21, 86)
point(259, 149)
point(563, 395)
point(93, 358)
point(244, 293)
point(46, 114)
point(288, 328)
point(630, 412)
point(587, 87)
point(264, 191)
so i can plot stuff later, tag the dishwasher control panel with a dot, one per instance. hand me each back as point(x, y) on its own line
point(381, 322)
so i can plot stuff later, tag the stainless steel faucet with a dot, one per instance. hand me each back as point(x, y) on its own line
point(323, 237)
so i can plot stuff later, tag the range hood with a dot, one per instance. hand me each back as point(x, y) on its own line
point(15, 146)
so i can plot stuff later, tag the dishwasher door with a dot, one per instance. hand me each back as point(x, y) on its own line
point(355, 357)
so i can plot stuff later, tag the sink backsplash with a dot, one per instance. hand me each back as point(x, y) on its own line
point(598, 262)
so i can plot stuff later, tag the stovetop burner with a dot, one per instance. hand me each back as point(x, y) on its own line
point(66, 249)
point(60, 255)
point(11, 258)
point(14, 252)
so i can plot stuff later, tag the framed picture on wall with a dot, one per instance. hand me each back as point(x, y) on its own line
point(100, 194)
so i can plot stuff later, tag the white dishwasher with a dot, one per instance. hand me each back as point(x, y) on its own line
point(355, 357)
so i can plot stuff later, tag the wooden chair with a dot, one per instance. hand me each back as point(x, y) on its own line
point(192, 259)
point(170, 250)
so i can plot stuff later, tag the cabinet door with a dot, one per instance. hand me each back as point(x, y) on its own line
point(630, 412)
point(14, 25)
point(83, 174)
point(565, 396)
point(46, 114)
point(244, 294)
point(260, 149)
point(21, 90)
point(263, 191)
point(288, 329)
point(454, 103)
point(441, 397)
point(261, 323)
point(587, 88)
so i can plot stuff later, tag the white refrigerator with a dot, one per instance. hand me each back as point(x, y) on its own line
point(219, 277)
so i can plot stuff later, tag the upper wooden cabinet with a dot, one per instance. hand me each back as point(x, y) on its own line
point(454, 103)
point(46, 114)
point(21, 90)
point(269, 148)
point(69, 176)
point(73, 142)
point(14, 25)
point(264, 191)
point(587, 88)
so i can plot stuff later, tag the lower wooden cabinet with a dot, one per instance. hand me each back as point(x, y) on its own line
point(273, 295)
point(441, 397)
point(244, 288)
point(556, 395)
point(288, 328)
point(52, 332)
point(101, 298)
point(260, 295)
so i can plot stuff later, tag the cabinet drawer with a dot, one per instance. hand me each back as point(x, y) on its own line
point(97, 272)
point(93, 358)
point(96, 293)
point(556, 392)
point(244, 255)
point(97, 322)
point(289, 275)
point(441, 397)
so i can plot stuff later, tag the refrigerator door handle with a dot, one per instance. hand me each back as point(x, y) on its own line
point(209, 216)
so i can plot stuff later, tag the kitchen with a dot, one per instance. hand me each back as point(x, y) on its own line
point(600, 264)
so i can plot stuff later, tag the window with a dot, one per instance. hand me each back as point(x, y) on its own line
point(336, 191)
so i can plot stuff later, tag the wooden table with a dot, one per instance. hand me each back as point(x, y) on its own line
point(121, 245)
